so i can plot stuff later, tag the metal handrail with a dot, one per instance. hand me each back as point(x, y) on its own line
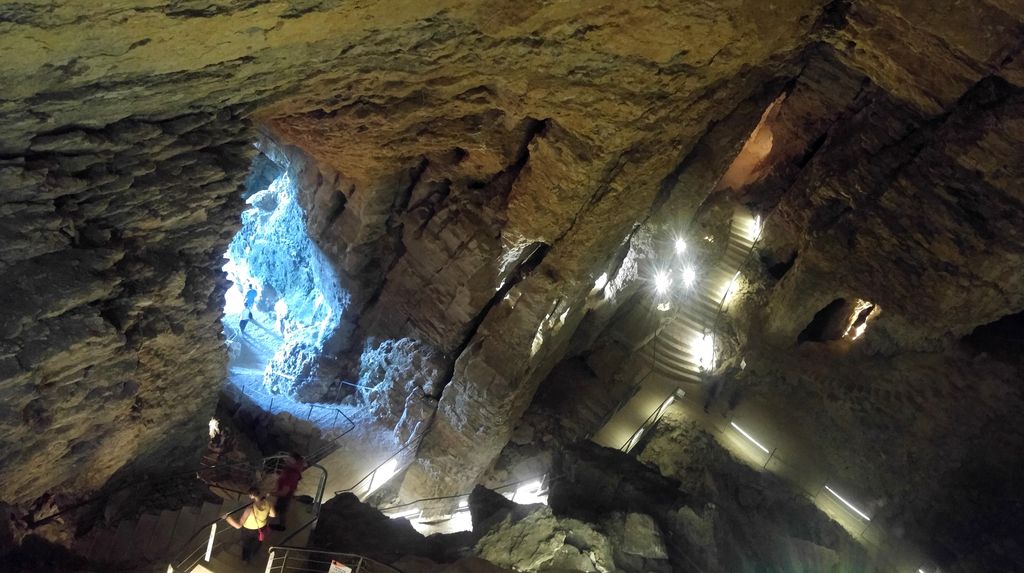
point(652, 419)
point(415, 440)
point(721, 303)
point(192, 558)
point(635, 386)
point(172, 479)
point(302, 558)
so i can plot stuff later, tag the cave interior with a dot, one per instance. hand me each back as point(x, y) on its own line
point(541, 286)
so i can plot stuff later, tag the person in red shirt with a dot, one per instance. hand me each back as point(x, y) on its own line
point(287, 484)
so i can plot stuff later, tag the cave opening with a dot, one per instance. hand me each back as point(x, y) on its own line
point(829, 323)
point(285, 302)
point(840, 319)
point(1003, 338)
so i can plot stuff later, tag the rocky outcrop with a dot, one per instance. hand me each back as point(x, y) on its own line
point(740, 518)
point(542, 542)
point(401, 380)
point(114, 239)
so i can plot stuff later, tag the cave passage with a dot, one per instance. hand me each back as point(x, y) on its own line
point(285, 302)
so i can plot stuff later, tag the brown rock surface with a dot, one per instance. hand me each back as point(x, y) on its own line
point(470, 170)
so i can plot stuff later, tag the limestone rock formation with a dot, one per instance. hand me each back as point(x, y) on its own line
point(542, 542)
point(401, 380)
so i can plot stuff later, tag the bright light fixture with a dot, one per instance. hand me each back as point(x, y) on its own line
point(529, 493)
point(705, 351)
point(749, 437)
point(463, 504)
point(848, 504)
point(680, 246)
point(689, 276)
point(756, 227)
point(662, 282)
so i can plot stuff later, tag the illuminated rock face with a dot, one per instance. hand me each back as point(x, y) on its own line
point(470, 171)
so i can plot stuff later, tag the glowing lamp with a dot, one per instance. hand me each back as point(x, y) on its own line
point(689, 276)
point(680, 246)
point(662, 282)
point(848, 504)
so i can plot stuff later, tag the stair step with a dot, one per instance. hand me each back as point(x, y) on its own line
point(145, 530)
point(161, 540)
point(124, 540)
point(209, 512)
point(103, 545)
point(188, 521)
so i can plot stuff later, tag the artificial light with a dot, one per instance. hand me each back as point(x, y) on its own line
point(662, 282)
point(848, 504)
point(689, 276)
point(705, 351)
point(680, 246)
point(749, 437)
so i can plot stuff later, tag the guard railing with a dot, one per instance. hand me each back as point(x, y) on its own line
point(285, 559)
point(215, 535)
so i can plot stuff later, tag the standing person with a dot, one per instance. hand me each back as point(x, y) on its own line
point(250, 299)
point(252, 523)
point(287, 484)
point(280, 311)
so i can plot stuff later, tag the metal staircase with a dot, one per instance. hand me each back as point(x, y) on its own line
point(683, 346)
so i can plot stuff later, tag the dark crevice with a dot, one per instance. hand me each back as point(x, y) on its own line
point(779, 269)
point(337, 208)
point(1003, 338)
point(502, 182)
point(828, 323)
point(404, 195)
point(833, 16)
point(533, 256)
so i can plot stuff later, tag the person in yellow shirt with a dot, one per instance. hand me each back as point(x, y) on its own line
point(253, 523)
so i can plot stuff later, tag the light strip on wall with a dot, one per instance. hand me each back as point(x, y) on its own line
point(848, 504)
point(748, 436)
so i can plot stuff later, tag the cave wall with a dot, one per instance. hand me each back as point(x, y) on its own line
point(111, 258)
point(908, 197)
point(125, 139)
point(457, 170)
point(447, 142)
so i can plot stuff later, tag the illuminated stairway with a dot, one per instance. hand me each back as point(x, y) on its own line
point(676, 351)
point(683, 340)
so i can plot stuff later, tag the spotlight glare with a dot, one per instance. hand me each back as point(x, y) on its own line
point(689, 276)
point(680, 246)
point(705, 351)
point(662, 282)
point(848, 504)
point(749, 437)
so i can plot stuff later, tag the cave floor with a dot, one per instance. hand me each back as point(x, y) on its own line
point(770, 441)
point(358, 452)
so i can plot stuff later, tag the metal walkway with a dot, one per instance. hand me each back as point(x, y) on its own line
point(683, 346)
